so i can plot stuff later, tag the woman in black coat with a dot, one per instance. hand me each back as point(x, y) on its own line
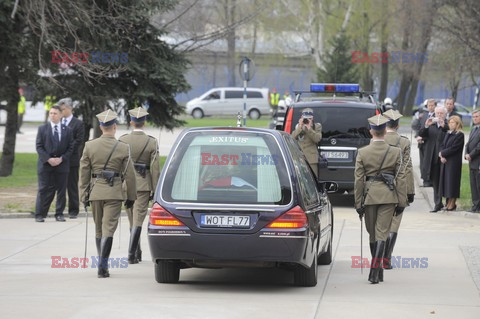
point(450, 155)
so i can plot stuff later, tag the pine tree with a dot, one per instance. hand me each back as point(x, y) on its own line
point(153, 74)
point(337, 62)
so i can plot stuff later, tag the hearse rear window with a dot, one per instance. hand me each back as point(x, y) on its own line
point(227, 167)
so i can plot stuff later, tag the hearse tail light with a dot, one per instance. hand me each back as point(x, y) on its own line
point(294, 218)
point(159, 216)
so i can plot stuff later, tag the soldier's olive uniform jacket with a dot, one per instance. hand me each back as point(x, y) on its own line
point(137, 141)
point(395, 139)
point(368, 163)
point(308, 140)
point(95, 155)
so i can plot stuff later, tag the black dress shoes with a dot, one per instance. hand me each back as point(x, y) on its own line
point(73, 216)
point(60, 218)
point(436, 209)
point(39, 219)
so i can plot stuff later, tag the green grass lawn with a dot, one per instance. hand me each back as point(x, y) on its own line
point(25, 171)
point(465, 199)
point(232, 121)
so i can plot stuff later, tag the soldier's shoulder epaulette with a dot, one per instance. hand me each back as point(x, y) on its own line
point(404, 137)
point(123, 135)
point(152, 137)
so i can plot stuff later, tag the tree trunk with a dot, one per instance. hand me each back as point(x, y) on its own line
point(230, 19)
point(425, 37)
point(384, 66)
point(408, 107)
point(315, 32)
point(406, 72)
point(366, 69)
point(402, 93)
point(455, 90)
point(255, 27)
point(8, 153)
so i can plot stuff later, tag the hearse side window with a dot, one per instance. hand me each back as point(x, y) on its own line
point(227, 167)
point(305, 180)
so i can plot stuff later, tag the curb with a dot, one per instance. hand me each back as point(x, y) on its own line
point(31, 215)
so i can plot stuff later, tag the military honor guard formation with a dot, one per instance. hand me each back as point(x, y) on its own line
point(383, 188)
point(112, 172)
point(106, 173)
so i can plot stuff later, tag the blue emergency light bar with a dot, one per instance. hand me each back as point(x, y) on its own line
point(335, 88)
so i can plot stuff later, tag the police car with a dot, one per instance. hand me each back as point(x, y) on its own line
point(239, 197)
point(343, 113)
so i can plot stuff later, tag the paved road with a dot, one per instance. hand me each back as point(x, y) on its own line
point(448, 288)
point(29, 287)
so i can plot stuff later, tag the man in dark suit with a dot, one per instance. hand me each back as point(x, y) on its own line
point(78, 131)
point(423, 117)
point(472, 155)
point(434, 130)
point(54, 148)
point(450, 106)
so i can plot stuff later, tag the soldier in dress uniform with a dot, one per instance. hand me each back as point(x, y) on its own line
point(144, 154)
point(104, 166)
point(395, 139)
point(308, 134)
point(380, 191)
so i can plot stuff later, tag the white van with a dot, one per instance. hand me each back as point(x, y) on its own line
point(229, 101)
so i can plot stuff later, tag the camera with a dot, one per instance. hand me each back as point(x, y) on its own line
point(435, 119)
point(306, 121)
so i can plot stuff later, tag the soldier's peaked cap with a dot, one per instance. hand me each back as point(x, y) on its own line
point(107, 118)
point(307, 113)
point(377, 122)
point(392, 115)
point(138, 114)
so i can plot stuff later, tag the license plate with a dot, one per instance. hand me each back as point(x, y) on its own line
point(341, 155)
point(225, 221)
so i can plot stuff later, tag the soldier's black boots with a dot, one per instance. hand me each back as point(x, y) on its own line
point(372, 251)
point(376, 265)
point(132, 247)
point(392, 238)
point(105, 249)
point(97, 242)
point(138, 253)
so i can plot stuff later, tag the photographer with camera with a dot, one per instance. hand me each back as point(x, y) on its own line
point(434, 132)
point(308, 134)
